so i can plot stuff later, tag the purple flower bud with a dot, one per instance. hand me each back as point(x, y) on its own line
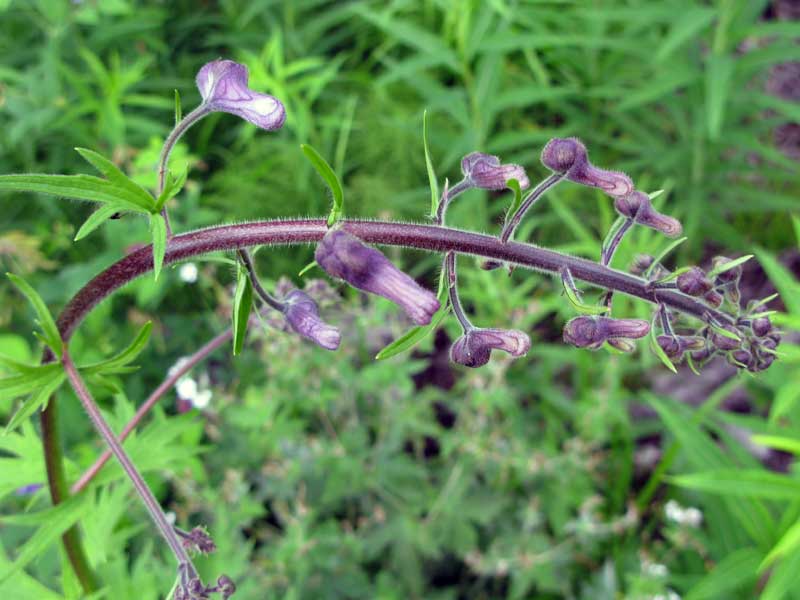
point(723, 342)
point(675, 346)
point(591, 332)
point(302, 314)
point(346, 257)
point(741, 359)
point(474, 347)
point(568, 156)
point(641, 263)
point(714, 298)
point(694, 282)
point(730, 275)
point(223, 86)
point(761, 326)
point(637, 206)
point(486, 172)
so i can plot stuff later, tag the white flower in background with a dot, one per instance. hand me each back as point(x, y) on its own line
point(690, 516)
point(198, 394)
point(670, 595)
point(188, 272)
point(656, 569)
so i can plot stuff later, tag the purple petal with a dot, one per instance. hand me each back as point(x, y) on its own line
point(302, 314)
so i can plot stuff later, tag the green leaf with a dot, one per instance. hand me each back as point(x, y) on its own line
point(782, 278)
point(789, 542)
point(724, 332)
point(172, 187)
point(38, 399)
point(684, 27)
point(658, 350)
point(748, 483)
point(51, 335)
point(432, 181)
point(158, 229)
point(178, 112)
point(661, 255)
point(53, 522)
point(573, 295)
point(734, 571)
point(78, 187)
point(513, 185)
point(242, 305)
point(728, 266)
point(117, 177)
point(719, 72)
point(128, 355)
point(307, 268)
point(779, 443)
point(97, 218)
point(326, 172)
point(22, 385)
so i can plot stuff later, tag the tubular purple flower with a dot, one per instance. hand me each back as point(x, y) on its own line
point(592, 332)
point(223, 86)
point(344, 256)
point(637, 206)
point(568, 156)
point(302, 314)
point(486, 172)
point(675, 346)
point(474, 347)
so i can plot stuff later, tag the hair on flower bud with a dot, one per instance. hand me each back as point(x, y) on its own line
point(474, 347)
point(694, 282)
point(486, 172)
point(302, 314)
point(592, 332)
point(223, 87)
point(637, 206)
point(568, 156)
point(346, 257)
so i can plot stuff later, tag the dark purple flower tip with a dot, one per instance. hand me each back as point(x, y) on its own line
point(486, 172)
point(641, 263)
point(591, 332)
point(563, 154)
point(730, 275)
point(223, 86)
point(568, 156)
point(741, 358)
point(761, 326)
point(197, 540)
point(346, 257)
point(474, 347)
point(694, 282)
point(302, 314)
point(637, 206)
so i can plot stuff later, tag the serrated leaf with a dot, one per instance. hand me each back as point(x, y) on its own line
point(114, 175)
point(22, 385)
point(126, 356)
point(242, 305)
point(326, 172)
point(97, 218)
point(37, 400)
point(53, 522)
point(158, 230)
point(78, 187)
point(661, 255)
point(433, 183)
point(728, 266)
point(51, 335)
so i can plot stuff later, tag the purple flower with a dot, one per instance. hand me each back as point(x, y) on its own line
point(694, 282)
point(346, 257)
point(568, 156)
point(223, 86)
point(637, 206)
point(593, 332)
point(486, 172)
point(474, 347)
point(675, 346)
point(302, 314)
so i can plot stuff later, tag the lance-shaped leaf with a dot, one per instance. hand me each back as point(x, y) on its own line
point(158, 229)
point(50, 335)
point(113, 174)
point(574, 296)
point(242, 304)
point(38, 398)
point(116, 363)
point(326, 172)
point(432, 181)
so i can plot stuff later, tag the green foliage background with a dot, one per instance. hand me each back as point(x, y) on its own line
point(334, 476)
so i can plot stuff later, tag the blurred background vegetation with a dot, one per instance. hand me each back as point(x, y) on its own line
point(567, 474)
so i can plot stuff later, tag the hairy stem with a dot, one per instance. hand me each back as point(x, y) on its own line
point(150, 502)
point(302, 231)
